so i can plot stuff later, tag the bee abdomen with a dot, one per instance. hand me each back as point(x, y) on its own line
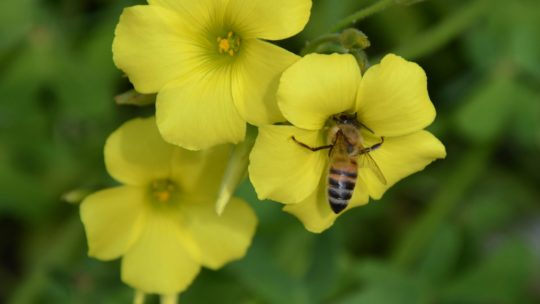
point(341, 185)
point(342, 172)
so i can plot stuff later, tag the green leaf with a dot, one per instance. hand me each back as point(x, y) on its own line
point(259, 272)
point(509, 32)
point(524, 43)
point(488, 111)
point(495, 204)
point(526, 124)
point(293, 251)
point(216, 287)
point(16, 20)
point(323, 274)
point(385, 285)
point(441, 256)
point(500, 278)
point(84, 81)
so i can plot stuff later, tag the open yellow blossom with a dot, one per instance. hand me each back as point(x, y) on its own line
point(161, 221)
point(391, 99)
point(207, 63)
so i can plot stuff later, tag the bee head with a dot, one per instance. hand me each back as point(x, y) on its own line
point(346, 118)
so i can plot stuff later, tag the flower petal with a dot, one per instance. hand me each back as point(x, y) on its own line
point(255, 80)
point(400, 157)
point(282, 170)
point(152, 45)
point(135, 153)
point(200, 172)
point(113, 219)
point(200, 13)
point(393, 98)
point(271, 20)
point(315, 212)
point(199, 113)
point(162, 260)
point(317, 87)
point(224, 238)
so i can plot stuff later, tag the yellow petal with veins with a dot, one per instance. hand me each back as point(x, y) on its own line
point(113, 220)
point(152, 44)
point(255, 81)
point(199, 112)
point(317, 87)
point(164, 260)
point(271, 20)
point(393, 98)
point(236, 227)
point(399, 157)
point(135, 153)
point(315, 212)
point(281, 169)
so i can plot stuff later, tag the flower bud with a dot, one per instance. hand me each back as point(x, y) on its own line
point(352, 38)
point(236, 170)
point(135, 98)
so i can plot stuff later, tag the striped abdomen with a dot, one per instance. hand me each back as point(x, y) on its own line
point(341, 181)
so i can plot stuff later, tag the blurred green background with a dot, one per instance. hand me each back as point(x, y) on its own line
point(465, 230)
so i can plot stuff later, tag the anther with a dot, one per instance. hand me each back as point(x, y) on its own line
point(162, 190)
point(229, 45)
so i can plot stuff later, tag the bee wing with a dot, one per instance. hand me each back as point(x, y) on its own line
point(366, 161)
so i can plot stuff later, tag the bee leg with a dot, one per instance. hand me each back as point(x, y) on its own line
point(373, 148)
point(311, 148)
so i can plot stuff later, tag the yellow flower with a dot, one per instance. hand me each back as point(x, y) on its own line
point(162, 220)
point(207, 64)
point(391, 99)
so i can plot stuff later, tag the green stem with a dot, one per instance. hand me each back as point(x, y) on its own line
point(169, 299)
point(470, 168)
point(311, 47)
point(139, 297)
point(362, 14)
point(438, 36)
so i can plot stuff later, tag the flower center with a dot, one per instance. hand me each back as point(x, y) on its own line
point(162, 190)
point(229, 45)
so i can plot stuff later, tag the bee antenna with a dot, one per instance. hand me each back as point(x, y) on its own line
point(365, 127)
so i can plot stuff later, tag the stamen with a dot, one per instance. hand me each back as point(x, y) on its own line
point(229, 45)
point(162, 190)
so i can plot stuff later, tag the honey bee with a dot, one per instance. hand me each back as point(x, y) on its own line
point(347, 153)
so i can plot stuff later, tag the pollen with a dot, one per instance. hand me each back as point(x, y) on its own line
point(229, 45)
point(162, 190)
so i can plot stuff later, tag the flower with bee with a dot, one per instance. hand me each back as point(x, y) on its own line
point(162, 219)
point(352, 136)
